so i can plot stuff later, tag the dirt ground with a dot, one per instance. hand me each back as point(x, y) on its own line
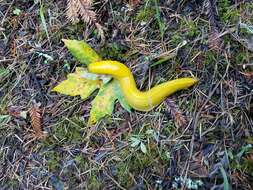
point(200, 138)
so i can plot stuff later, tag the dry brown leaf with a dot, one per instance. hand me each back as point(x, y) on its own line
point(36, 120)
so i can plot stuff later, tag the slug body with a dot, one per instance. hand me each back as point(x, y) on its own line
point(142, 101)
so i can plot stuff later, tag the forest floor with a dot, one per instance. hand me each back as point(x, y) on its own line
point(200, 138)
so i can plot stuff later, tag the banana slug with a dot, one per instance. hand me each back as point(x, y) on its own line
point(142, 101)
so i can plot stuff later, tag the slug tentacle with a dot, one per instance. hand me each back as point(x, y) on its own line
point(142, 101)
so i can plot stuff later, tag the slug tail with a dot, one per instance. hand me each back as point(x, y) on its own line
point(166, 89)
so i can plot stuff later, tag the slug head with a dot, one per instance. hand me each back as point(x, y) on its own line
point(114, 68)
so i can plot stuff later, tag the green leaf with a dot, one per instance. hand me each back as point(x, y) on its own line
point(143, 148)
point(104, 102)
point(76, 84)
point(120, 97)
point(81, 51)
point(17, 11)
point(85, 55)
point(135, 141)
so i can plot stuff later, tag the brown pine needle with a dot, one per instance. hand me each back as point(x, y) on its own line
point(134, 3)
point(83, 9)
point(86, 12)
point(36, 120)
point(215, 42)
point(72, 11)
point(176, 114)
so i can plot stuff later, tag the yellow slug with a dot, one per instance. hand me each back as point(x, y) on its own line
point(142, 101)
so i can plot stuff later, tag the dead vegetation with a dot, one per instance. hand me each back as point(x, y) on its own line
point(198, 139)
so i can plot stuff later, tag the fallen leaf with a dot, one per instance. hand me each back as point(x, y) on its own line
point(103, 104)
point(134, 3)
point(76, 84)
point(85, 55)
point(177, 115)
point(81, 51)
point(247, 75)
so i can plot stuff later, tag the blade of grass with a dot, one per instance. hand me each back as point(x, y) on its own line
point(43, 20)
point(162, 58)
point(158, 18)
point(225, 179)
point(3, 72)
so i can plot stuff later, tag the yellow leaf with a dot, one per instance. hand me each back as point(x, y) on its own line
point(76, 84)
point(82, 51)
point(103, 104)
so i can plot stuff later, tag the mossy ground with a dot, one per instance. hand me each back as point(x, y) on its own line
point(219, 109)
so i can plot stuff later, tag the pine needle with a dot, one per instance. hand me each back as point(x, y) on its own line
point(134, 3)
point(176, 114)
point(82, 9)
point(86, 12)
point(36, 120)
point(72, 11)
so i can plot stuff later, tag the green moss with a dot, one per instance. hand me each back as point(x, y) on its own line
point(113, 51)
point(169, 128)
point(69, 131)
point(192, 29)
point(133, 163)
point(82, 162)
point(247, 166)
point(242, 160)
point(53, 160)
point(144, 15)
point(123, 175)
point(12, 184)
point(93, 183)
point(73, 29)
point(227, 13)
point(209, 57)
point(165, 156)
point(240, 57)
point(176, 39)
